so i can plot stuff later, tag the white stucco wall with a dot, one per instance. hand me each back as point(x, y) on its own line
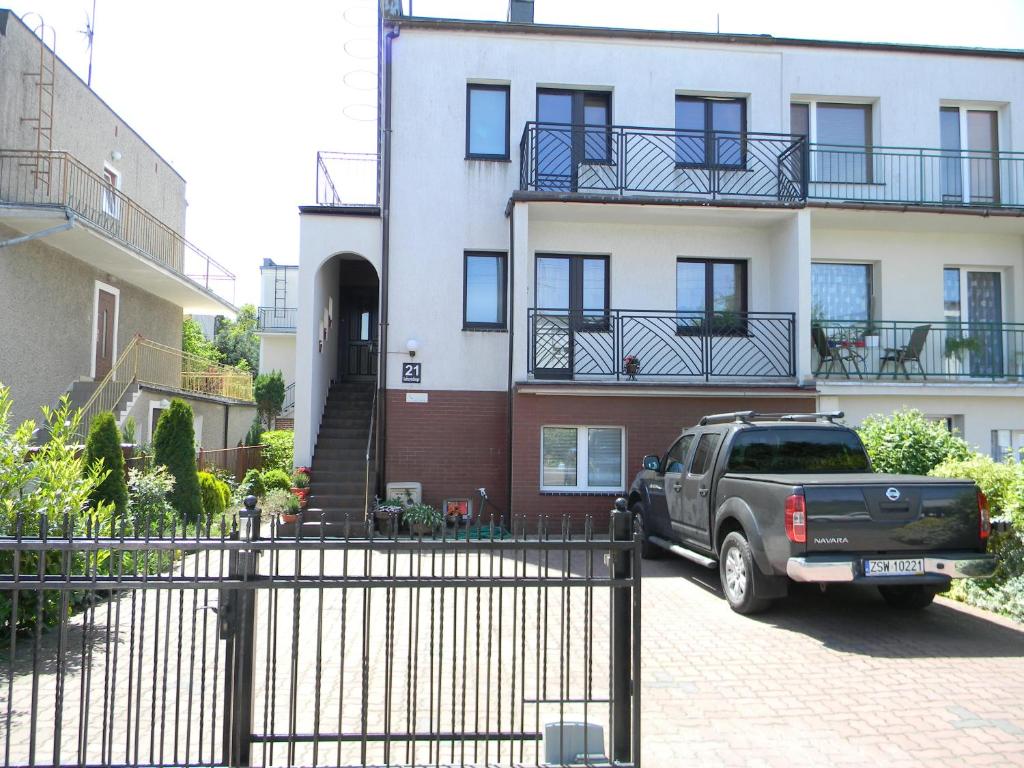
point(999, 408)
point(268, 280)
point(323, 240)
point(277, 353)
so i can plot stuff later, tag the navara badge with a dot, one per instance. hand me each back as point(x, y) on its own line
point(892, 494)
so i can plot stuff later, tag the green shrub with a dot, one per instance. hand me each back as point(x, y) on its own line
point(278, 502)
point(422, 514)
point(252, 484)
point(300, 480)
point(174, 447)
point(103, 445)
point(905, 442)
point(1001, 481)
point(275, 479)
point(278, 450)
point(214, 493)
point(252, 437)
point(128, 431)
point(268, 391)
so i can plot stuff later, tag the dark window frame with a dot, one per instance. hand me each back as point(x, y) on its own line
point(737, 329)
point(578, 126)
point(578, 313)
point(709, 131)
point(502, 325)
point(507, 89)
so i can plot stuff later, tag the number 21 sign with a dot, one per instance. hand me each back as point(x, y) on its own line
point(411, 373)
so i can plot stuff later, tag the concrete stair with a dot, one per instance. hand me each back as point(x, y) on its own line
point(337, 492)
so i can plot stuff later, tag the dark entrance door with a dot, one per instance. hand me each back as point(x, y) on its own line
point(358, 353)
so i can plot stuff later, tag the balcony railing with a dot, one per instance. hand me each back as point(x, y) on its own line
point(347, 178)
point(281, 319)
point(30, 177)
point(685, 346)
point(901, 350)
point(916, 176)
point(625, 160)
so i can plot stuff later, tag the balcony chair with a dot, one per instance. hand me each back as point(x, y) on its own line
point(911, 353)
point(830, 354)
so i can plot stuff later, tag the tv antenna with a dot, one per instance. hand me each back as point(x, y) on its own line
point(90, 33)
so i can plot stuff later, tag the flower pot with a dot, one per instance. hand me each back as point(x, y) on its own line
point(421, 529)
point(871, 340)
point(387, 522)
point(632, 369)
point(302, 494)
point(285, 518)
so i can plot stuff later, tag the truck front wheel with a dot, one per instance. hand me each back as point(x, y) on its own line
point(908, 596)
point(648, 551)
point(736, 566)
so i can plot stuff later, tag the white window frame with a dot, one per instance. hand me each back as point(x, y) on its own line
point(963, 108)
point(111, 202)
point(582, 456)
point(812, 124)
point(95, 317)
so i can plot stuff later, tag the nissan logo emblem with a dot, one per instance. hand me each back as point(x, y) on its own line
point(892, 494)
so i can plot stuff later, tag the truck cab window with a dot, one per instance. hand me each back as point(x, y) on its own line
point(705, 453)
point(675, 459)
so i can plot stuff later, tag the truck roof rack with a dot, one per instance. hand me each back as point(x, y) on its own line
point(748, 417)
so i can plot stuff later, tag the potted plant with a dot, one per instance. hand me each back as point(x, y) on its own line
point(300, 487)
point(956, 346)
point(631, 366)
point(283, 504)
point(386, 513)
point(422, 519)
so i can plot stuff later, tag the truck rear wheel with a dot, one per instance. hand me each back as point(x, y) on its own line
point(908, 596)
point(648, 551)
point(737, 568)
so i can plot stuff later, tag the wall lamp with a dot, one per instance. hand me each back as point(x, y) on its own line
point(412, 345)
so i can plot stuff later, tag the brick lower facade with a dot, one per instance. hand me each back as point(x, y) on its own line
point(453, 444)
point(456, 442)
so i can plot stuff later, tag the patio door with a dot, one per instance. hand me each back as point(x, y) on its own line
point(970, 155)
point(105, 324)
point(572, 129)
point(974, 311)
point(571, 323)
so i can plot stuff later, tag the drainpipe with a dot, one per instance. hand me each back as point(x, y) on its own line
point(42, 233)
point(385, 215)
point(511, 346)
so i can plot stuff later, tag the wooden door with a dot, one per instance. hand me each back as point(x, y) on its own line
point(106, 312)
point(359, 336)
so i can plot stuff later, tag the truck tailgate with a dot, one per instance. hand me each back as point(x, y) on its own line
point(891, 514)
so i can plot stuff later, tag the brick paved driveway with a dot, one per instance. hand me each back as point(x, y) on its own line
point(824, 679)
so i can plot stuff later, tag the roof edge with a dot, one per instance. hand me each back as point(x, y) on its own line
point(464, 25)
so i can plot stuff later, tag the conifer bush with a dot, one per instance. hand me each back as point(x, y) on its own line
point(174, 447)
point(104, 445)
point(214, 493)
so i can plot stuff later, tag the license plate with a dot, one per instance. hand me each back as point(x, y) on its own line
point(901, 567)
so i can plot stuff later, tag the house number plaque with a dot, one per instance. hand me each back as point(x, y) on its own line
point(411, 373)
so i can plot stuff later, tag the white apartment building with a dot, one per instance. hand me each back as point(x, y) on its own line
point(586, 238)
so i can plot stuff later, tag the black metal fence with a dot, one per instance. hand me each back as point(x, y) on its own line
point(905, 350)
point(620, 159)
point(916, 176)
point(277, 318)
point(483, 647)
point(636, 344)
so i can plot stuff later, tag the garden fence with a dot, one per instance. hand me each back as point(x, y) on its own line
point(485, 647)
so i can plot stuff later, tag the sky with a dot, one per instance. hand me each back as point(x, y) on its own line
point(240, 95)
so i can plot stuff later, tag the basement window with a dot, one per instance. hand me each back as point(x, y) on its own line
point(582, 459)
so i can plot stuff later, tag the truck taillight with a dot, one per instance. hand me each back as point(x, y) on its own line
point(984, 521)
point(796, 519)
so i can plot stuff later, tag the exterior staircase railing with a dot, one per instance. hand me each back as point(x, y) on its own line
point(369, 445)
point(148, 362)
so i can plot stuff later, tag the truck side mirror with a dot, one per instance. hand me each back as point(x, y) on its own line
point(652, 463)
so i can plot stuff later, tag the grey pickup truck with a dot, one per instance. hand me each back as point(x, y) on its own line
point(769, 498)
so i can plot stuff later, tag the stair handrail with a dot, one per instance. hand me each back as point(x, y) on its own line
point(108, 394)
point(369, 442)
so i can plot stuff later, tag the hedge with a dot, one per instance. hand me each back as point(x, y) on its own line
point(278, 450)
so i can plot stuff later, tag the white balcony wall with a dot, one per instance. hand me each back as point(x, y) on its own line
point(268, 280)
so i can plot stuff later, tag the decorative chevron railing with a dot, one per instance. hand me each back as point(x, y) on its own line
point(647, 344)
point(626, 160)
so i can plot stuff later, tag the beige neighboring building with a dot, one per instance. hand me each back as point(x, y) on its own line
point(95, 275)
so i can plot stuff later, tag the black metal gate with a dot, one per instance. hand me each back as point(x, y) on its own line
point(481, 648)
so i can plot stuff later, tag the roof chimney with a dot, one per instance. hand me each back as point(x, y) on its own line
point(520, 11)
